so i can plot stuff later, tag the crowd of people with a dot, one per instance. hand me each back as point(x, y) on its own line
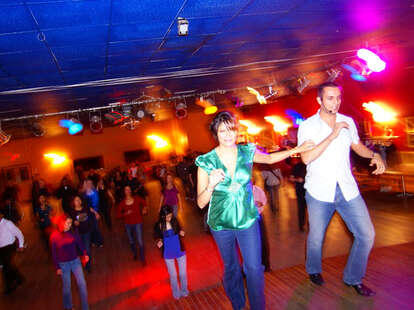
point(220, 181)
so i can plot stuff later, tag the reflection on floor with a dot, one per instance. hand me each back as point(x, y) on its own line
point(118, 282)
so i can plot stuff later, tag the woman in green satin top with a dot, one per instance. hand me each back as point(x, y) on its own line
point(224, 182)
point(224, 176)
point(234, 193)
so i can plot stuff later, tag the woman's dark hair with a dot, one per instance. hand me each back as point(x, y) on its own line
point(72, 201)
point(225, 117)
point(164, 211)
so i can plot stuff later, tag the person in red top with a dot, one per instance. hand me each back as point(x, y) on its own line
point(131, 209)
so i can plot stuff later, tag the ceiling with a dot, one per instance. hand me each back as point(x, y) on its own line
point(78, 54)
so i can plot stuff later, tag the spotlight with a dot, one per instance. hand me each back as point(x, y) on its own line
point(115, 117)
point(95, 123)
point(74, 126)
point(374, 62)
point(303, 83)
point(140, 114)
point(181, 110)
point(4, 138)
point(38, 130)
point(182, 26)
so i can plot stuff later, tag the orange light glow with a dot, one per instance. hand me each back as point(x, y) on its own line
point(380, 112)
point(279, 124)
point(210, 110)
point(261, 99)
point(160, 143)
point(56, 158)
point(252, 129)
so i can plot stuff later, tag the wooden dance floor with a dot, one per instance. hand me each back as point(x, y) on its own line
point(117, 282)
point(390, 274)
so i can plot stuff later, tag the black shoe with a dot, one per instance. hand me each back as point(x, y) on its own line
point(316, 278)
point(362, 290)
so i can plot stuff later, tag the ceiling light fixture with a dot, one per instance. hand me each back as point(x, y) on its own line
point(182, 26)
point(95, 123)
point(180, 110)
point(4, 138)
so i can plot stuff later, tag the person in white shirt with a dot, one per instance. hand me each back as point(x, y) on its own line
point(330, 186)
point(8, 234)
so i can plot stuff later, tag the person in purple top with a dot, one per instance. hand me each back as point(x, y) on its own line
point(66, 248)
point(170, 195)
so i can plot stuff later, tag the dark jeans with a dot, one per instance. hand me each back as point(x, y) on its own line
point(135, 230)
point(250, 247)
point(300, 196)
point(11, 274)
point(96, 235)
point(273, 197)
point(265, 244)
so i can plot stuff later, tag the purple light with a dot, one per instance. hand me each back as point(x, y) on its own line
point(373, 61)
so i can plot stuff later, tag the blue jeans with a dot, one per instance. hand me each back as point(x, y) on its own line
point(356, 217)
point(135, 229)
point(250, 247)
point(74, 266)
point(182, 269)
point(86, 240)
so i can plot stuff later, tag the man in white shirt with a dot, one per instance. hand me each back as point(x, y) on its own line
point(330, 186)
point(8, 234)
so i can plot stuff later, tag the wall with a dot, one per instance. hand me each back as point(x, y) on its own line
point(182, 135)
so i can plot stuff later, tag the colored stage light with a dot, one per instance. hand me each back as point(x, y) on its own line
point(73, 125)
point(252, 129)
point(380, 112)
point(279, 124)
point(159, 142)
point(296, 118)
point(374, 62)
point(56, 158)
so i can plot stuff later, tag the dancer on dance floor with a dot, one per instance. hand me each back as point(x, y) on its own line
point(224, 183)
point(331, 187)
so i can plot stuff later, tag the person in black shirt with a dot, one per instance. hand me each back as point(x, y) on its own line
point(298, 176)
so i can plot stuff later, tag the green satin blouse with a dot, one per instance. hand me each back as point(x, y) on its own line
point(232, 204)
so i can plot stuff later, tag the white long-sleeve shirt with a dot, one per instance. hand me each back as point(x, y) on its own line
point(9, 232)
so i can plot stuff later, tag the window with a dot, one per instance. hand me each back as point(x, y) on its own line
point(88, 163)
point(137, 155)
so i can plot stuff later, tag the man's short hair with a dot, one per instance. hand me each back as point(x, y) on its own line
point(327, 84)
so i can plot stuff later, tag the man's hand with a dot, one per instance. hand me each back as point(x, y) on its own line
point(59, 272)
point(379, 163)
point(20, 249)
point(337, 129)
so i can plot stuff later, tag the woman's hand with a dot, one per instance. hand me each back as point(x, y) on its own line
point(159, 244)
point(305, 146)
point(216, 176)
point(182, 233)
point(59, 272)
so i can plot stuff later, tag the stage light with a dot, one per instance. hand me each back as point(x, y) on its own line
point(159, 142)
point(252, 129)
point(380, 112)
point(181, 110)
point(73, 125)
point(182, 26)
point(56, 158)
point(4, 138)
point(374, 62)
point(140, 114)
point(303, 83)
point(279, 125)
point(37, 129)
point(296, 118)
point(359, 71)
point(210, 110)
point(95, 123)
